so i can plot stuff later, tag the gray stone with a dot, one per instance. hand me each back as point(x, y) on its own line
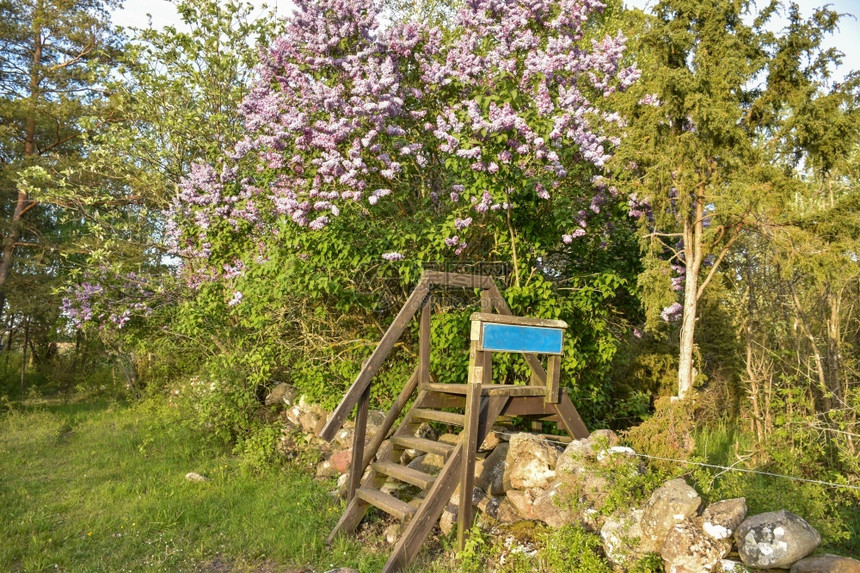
point(499, 509)
point(196, 477)
point(549, 506)
point(492, 472)
point(530, 461)
point(731, 566)
point(775, 539)
point(688, 549)
point(826, 564)
point(621, 535)
point(671, 503)
point(586, 449)
point(427, 463)
point(375, 419)
point(343, 570)
point(492, 440)
point(722, 518)
point(603, 438)
point(282, 393)
point(343, 437)
point(310, 417)
point(449, 518)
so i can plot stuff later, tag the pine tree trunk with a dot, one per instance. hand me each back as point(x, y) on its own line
point(23, 201)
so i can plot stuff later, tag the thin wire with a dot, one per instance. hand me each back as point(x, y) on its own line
point(716, 467)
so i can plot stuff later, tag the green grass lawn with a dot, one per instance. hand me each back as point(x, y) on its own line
point(97, 486)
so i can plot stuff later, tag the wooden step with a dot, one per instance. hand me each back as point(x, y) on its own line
point(489, 389)
point(404, 474)
point(439, 416)
point(438, 400)
point(423, 445)
point(387, 503)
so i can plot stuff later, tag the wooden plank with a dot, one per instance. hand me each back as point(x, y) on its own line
point(487, 362)
point(404, 474)
point(424, 341)
point(570, 418)
point(387, 503)
point(390, 418)
point(510, 319)
point(439, 416)
point(382, 350)
point(437, 498)
point(458, 280)
point(489, 389)
point(429, 446)
point(432, 399)
point(552, 374)
point(469, 441)
point(518, 338)
point(528, 406)
point(356, 466)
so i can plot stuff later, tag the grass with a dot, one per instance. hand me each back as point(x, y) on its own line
point(98, 486)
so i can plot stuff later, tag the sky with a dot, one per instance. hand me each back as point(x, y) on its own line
point(847, 39)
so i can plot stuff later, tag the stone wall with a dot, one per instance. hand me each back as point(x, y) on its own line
point(521, 476)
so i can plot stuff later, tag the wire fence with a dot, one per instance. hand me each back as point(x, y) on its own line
point(718, 467)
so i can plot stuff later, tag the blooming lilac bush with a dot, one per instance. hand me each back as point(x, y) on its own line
point(346, 118)
point(367, 149)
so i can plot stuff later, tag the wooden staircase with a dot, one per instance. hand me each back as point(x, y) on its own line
point(474, 407)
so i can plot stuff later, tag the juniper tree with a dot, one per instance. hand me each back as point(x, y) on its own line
point(702, 157)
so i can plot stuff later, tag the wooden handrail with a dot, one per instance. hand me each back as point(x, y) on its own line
point(401, 321)
point(383, 349)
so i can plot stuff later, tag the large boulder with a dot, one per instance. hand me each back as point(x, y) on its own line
point(550, 506)
point(530, 461)
point(620, 535)
point(826, 564)
point(670, 504)
point(722, 518)
point(775, 540)
point(688, 549)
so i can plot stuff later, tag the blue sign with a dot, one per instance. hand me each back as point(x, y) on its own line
point(514, 338)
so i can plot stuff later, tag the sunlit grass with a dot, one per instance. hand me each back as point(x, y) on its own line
point(101, 487)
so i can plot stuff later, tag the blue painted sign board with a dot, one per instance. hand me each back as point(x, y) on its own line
point(514, 338)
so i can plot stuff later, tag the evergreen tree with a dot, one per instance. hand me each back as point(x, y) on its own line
point(702, 160)
point(47, 84)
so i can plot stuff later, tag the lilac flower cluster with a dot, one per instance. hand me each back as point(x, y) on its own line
point(343, 113)
point(108, 299)
point(672, 312)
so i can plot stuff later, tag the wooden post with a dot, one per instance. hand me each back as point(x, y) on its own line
point(469, 441)
point(424, 342)
point(552, 374)
point(356, 465)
